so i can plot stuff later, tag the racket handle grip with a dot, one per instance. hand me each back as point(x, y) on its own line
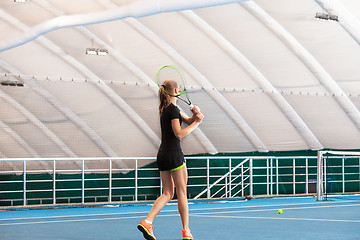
point(191, 106)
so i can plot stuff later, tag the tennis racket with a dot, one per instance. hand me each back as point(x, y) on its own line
point(170, 72)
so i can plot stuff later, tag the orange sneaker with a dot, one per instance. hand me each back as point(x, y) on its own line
point(186, 234)
point(147, 230)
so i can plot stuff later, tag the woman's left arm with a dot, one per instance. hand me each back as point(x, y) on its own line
point(186, 119)
point(189, 120)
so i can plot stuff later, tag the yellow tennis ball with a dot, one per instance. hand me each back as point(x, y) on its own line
point(280, 211)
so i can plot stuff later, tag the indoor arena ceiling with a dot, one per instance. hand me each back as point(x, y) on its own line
point(269, 75)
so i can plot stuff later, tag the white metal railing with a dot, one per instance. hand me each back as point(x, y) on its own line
point(228, 186)
point(64, 180)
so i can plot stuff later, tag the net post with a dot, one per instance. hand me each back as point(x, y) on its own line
point(54, 181)
point(136, 180)
point(277, 175)
point(24, 183)
point(294, 177)
point(267, 177)
point(307, 175)
point(208, 177)
point(325, 191)
point(82, 181)
point(251, 178)
point(110, 179)
point(271, 177)
point(343, 173)
point(230, 180)
point(319, 176)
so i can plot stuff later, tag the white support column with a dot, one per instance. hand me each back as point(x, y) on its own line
point(319, 181)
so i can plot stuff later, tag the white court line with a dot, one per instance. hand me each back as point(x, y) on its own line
point(81, 220)
point(333, 204)
point(71, 216)
point(280, 218)
point(272, 209)
point(273, 205)
point(213, 215)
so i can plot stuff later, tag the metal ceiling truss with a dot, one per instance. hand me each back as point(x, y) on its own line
point(206, 143)
point(33, 119)
point(64, 110)
point(203, 140)
point(55, 102)
point(19, 140)
point(200, 78)
point(116, 99)
point(255, 74)
point(139, 8)
point(308, 60)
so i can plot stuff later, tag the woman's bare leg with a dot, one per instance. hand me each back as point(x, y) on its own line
point(180, 178)
point(168, 194)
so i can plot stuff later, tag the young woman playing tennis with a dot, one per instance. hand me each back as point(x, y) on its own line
point(170, 159)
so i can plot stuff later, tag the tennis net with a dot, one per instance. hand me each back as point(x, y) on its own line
point(338, 172)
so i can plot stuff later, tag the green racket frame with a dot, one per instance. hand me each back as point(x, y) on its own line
point(184, 83)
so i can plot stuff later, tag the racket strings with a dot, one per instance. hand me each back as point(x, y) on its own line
point(185, 101)
point(169, 72)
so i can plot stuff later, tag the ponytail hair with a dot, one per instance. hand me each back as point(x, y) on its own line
point(165, 99)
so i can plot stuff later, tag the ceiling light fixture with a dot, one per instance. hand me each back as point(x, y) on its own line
point(96, 51)
point(102, 52)
point(326, 16)
point(20, 1)
point(12, 83)
point(8, 81)
point(91, 51)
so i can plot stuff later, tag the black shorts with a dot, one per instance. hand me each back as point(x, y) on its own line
point(169, 160)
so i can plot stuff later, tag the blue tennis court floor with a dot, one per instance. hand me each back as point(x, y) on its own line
point(302, 218)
